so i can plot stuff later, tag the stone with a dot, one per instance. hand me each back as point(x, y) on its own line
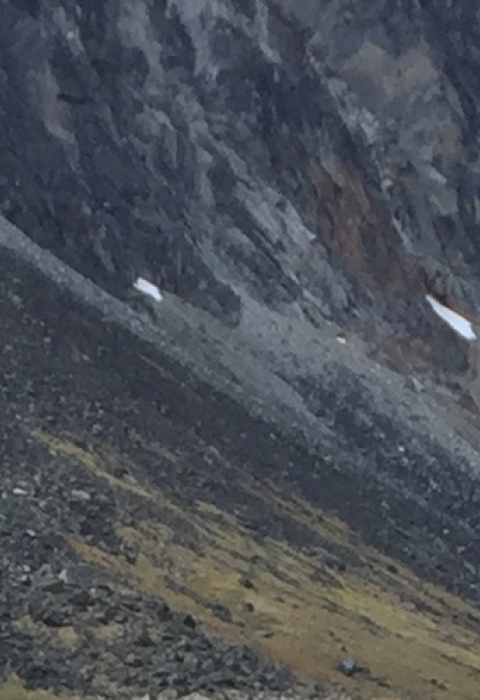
point(222, 612)
point(348, 667)
point(246, 582)
point(80, 496)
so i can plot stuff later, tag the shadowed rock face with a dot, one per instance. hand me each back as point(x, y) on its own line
point(314, 156)
point(284, 171)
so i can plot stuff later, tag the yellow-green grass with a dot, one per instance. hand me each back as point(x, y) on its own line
point(305, 614)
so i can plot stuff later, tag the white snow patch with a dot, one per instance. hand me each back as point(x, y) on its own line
point(148, 288)
point(458, 323)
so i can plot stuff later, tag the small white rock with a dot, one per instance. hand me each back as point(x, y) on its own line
point(82, 496)
point(19, 492)
point(63, 575)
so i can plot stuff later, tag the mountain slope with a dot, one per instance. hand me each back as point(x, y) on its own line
point(125, 473)
point(295, 178)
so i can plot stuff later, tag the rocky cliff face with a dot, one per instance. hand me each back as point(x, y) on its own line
point(313, 157)
point(295, 177)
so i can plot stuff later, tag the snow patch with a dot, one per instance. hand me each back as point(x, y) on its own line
point(147, 288)
point(458, 323)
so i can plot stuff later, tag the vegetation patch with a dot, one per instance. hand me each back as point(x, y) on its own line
point(13, 689)
point(307, 608)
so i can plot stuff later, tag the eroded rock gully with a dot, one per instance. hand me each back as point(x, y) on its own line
point(295, 177)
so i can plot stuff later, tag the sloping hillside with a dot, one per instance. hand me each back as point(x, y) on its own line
point(142, 509)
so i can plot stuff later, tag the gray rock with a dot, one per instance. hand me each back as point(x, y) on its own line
point(348, 667)
point(80, 496)
point(222, 612)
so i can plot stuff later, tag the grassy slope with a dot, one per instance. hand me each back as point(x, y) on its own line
point(303, 611)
